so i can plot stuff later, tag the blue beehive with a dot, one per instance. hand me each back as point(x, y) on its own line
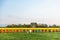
point(38, 30)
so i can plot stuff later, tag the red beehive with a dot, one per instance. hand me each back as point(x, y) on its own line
point(11, 30)
point(16, 30)
point(6, 30)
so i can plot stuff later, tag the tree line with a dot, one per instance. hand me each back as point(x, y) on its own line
point(32, 25)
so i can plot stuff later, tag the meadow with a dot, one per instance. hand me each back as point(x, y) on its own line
point(30, 36)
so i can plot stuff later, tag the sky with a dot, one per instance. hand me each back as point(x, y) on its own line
point(27, 11)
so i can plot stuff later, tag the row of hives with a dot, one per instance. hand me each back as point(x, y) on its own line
point(29, 29)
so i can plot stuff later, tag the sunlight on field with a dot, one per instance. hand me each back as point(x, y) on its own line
point(30, 36)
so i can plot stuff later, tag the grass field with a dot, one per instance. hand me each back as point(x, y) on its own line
point(30, 36)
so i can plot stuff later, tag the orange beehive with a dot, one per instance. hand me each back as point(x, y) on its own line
point(21, 30)
point(43, 30)
point(27, 30)
point(2, 30)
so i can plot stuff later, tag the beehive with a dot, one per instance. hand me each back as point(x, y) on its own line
point(2, 30)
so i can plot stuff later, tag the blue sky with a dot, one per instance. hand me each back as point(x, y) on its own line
point(27, 11)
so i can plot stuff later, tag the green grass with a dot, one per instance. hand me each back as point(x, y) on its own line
point(30, 36)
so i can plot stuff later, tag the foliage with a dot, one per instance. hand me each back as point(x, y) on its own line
point(35, 25)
